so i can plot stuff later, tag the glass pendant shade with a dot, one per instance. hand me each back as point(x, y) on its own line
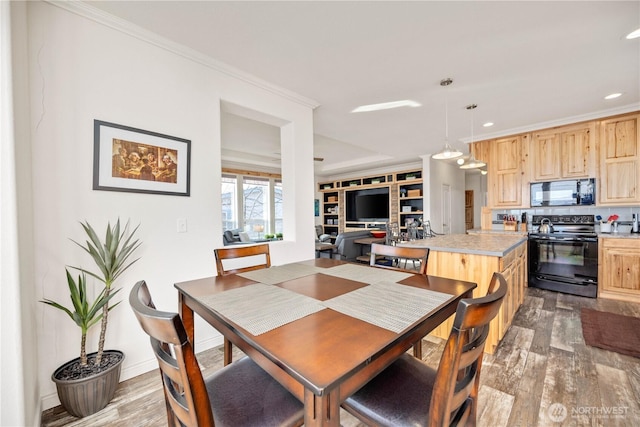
point(447, 153)
point(473, 164)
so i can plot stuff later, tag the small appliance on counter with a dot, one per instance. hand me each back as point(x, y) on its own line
point(634, 223)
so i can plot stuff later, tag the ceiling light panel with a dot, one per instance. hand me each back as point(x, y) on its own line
point(613, 96)
point(386, 106)
point(634, 34)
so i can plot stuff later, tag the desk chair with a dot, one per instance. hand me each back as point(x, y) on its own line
point(234, 252)
point(241, 394)
point(409, 393)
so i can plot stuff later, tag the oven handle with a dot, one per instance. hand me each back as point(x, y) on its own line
point(566, 239)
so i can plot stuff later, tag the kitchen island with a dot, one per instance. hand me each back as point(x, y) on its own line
point(474, 258)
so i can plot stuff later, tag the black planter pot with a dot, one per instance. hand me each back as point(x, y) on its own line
point(86, 396)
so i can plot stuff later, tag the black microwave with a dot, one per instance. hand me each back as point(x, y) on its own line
point(579, 192)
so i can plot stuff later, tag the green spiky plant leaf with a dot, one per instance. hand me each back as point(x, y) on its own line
point(112, 257)
point(83, 313)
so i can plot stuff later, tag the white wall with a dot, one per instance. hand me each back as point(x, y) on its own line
point(81, 70)
point(19, 399)
point(439, 173)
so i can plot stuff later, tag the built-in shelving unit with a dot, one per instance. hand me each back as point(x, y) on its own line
point(406, 200)
point(410, 202)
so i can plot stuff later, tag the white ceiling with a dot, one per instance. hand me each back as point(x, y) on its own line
point(526, 64)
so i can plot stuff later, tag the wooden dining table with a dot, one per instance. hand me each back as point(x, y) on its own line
point(322, 328)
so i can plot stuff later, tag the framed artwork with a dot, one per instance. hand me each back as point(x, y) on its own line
point(139, 161)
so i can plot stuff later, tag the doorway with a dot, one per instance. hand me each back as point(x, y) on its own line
point(468, 210)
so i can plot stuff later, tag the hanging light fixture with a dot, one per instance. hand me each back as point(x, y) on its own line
point(448, 152)
point(472, 163)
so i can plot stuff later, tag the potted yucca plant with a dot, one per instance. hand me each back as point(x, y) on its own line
point(88, 383)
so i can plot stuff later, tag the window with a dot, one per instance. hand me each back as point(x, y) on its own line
point(229, 202)
point(252, 204)
point(277, 205)
point(255, 197)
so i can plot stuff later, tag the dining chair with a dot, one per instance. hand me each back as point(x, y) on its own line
point(260, 252)
point(241, 394)
point(396, 253)
point(234, 253)
point(410, 393)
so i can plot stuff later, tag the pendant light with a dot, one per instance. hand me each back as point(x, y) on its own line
point(472, 163)
point(447, 152)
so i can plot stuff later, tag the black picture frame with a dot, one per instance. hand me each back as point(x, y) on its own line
point(139, 161)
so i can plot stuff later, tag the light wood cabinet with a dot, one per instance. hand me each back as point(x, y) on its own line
point(481, 150)
point(508, 185)
point(479, 269)
point(619, 269)
point(620, 161)
point(564, 153)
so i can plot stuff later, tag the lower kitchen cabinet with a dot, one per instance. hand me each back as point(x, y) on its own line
point(479, 269)
point(619, 268)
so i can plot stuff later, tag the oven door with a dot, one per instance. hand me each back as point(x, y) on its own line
point(564, 263)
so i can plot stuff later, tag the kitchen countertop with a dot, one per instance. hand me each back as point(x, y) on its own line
point(497, 232)
point(619, 235)
point(477, 244)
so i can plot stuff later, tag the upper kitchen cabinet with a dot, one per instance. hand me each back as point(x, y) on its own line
point(508, 184)
point(481, 151)
point(619, 161)
point(566, 152)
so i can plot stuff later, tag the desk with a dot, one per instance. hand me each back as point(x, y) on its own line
point(323, 357)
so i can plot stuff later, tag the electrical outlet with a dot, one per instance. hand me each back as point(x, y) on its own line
point(182, 225)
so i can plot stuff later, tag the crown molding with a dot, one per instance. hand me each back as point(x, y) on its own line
point(559, 122)
point(85, 10)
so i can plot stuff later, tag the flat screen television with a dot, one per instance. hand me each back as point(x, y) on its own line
point(369, 205)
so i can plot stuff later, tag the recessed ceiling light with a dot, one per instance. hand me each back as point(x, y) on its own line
point(634, 34)
point(613, 96)
point(386, 106)
point(488, 124)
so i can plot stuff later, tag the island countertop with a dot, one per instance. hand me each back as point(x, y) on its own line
point(478, 244)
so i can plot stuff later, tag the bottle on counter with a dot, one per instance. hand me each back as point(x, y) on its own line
point(634, 223)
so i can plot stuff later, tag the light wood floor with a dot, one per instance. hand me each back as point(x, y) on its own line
point(542, 363)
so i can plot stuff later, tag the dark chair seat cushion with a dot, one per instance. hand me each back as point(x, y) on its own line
point(399, 396)
point(243, 394)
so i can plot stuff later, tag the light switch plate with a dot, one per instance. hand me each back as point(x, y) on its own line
point(182, 225)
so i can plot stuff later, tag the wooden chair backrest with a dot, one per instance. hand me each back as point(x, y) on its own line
point(234, 252)
point(418, 254)
point(455, 391)
point(185, 393)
